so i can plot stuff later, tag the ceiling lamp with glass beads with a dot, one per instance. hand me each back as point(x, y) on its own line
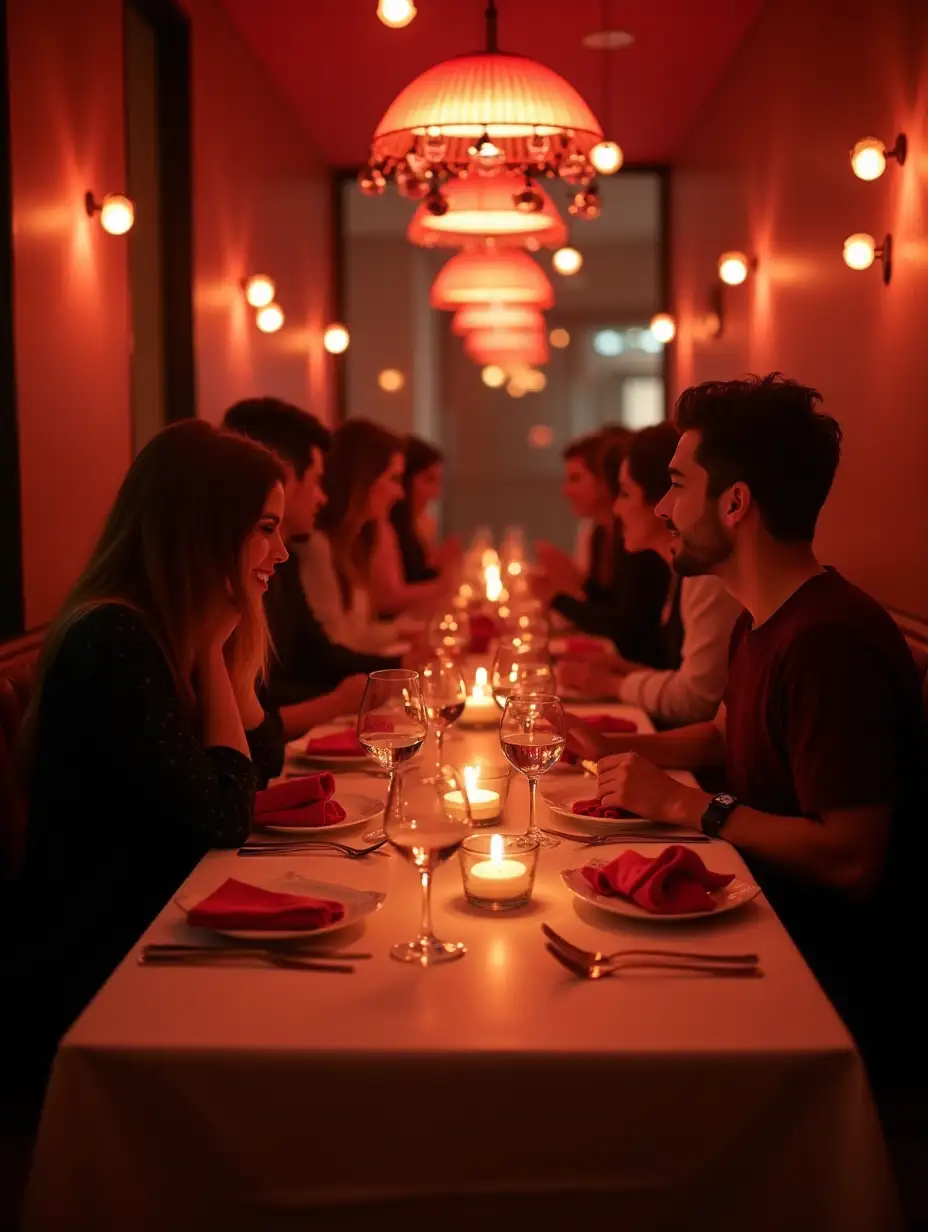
point(495, 208)
point(491, 276)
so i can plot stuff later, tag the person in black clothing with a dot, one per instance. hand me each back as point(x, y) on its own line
point(622, 595)
point(311, 678)
point(145, 741)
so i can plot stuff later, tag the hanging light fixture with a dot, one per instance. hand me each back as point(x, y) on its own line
point(507, 347)
point(498, 208)
point(479, 114)
point(606, 156)
point(496, 316)
point(491, 277)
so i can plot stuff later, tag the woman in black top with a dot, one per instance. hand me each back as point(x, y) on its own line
point(146, 740)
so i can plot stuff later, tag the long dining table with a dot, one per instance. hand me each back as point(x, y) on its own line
point(497, 1088)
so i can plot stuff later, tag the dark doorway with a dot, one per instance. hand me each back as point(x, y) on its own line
point(157, 94)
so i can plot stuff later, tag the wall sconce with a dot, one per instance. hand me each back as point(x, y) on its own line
point(868, 157)
point(259, 290)
point(270, 318)
point(336, 339)
point(860, 250)
point(559, 338)
point(493, 376)
point(567, 261)
point(607, 157)
point(396, 13)
point(734, 267)
point(713, 322)
point(391, 380)
point(117, 213)
point(663, 327)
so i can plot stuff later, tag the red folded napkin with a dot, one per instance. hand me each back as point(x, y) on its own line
point(583, 646)
point(306, 801)
point(482, 631)
point(674, 883)
point(596, 808)
point(345, 743)
point(236, 904)
point(607, 723)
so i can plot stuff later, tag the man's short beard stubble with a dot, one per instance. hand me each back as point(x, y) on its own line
point(705, 548)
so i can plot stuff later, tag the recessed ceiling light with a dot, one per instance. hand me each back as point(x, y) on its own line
point(608, 40)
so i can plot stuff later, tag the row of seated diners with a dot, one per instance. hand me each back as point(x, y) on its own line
point(139, 739)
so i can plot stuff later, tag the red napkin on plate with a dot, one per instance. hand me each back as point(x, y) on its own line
point(236, 904)
point(345, 743)
point(674, 883)
point(306, 801)
point(596, 808)
point(482, 631)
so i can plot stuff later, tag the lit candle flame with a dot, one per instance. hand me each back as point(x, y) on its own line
point(496, 848)
point(494, 583)
point(480, 683)
point(471, 775)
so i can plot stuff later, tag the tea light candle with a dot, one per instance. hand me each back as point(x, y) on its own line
point(485, 805)
point(498, 878)
point(479, 708)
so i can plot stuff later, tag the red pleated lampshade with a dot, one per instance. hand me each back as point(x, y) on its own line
point(518, 103)
point(506, 347)
point(491, 276)
point(483, 207)
point(497, 316)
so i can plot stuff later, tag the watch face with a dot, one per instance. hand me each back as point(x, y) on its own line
point(724, 799)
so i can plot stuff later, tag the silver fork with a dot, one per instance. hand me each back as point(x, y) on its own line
point(595, 958)
point(626, 836)
point(598, 971)
point(296, 848)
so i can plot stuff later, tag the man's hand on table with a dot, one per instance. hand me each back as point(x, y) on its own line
point(629, 781)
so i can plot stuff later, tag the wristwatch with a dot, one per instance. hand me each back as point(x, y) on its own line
point(720, 809)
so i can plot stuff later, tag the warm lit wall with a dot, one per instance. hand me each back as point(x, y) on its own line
point(766, 169)
point(261, 200)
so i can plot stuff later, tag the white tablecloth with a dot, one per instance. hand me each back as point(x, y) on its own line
point(497, 1088)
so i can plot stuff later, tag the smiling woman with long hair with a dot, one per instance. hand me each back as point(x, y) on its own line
point(145, 740)
point(363, 481)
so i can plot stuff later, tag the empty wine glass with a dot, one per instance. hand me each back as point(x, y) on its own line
point(392, 721)
point(426, 829)
point(520, 669)
point(445, 694)
point(533, 735)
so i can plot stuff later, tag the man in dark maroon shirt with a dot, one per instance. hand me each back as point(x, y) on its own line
point(821, 731)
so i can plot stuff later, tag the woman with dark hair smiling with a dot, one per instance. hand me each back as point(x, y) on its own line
point(408, 569)
point(699, 614)
point(145, 739)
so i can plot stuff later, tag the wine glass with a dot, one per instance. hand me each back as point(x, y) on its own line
point(533, 735)
point(427, 828)
point(445, 695)
point(392, 721)
point(520, 669)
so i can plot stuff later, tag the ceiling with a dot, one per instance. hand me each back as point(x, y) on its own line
point(339, 67)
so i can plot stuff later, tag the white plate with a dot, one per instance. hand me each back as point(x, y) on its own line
point(357, 809)
point(357, 904)
point(296, 750)
point(735, 894)
point(560, 799)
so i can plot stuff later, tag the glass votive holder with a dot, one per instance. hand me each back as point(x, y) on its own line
point(487, 786)
point(498, 870)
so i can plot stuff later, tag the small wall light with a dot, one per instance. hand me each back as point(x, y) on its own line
point(259, 290)
point(117, 213)
point(493, 376)
point(534, 381)
point(540, 436)
point(336, 339)
point(396, 13)
point(515, 390)
point(559, 338)
point(869, 155)
point(860, 250)
point(269, 318)
point(663, 327)
point(734, 267)
point(391, 380)
point(567, 261)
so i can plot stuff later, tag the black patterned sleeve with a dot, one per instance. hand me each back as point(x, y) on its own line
point(267, 745)
point(208, 794)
